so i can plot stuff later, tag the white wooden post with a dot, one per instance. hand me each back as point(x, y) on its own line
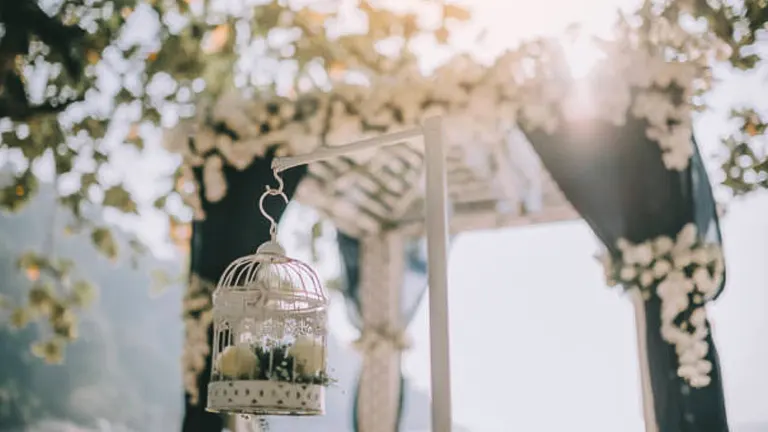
point(381, 279)
point(437, 250)
point(649, 414)
point(437, 246)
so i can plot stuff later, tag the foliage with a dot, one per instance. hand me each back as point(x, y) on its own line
point(104, 377)
point(746, 161)
point(134, 66)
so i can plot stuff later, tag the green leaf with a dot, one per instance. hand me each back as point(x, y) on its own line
point(161, 281)
point(83, 294)
point(333, 284)
point(87, 180)
point(119, 198)
point(5, 302)
point(105, 243)
point(30, 259)
point(747, 62)
point(160, 202)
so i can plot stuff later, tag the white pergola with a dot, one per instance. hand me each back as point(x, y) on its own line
point(494, 178)
point(378, 195)
point(383, 198)
point(501, 185)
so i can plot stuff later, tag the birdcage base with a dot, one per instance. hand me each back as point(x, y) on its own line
point(266, 398)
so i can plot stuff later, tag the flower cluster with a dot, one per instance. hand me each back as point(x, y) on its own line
point(653, 74)
point(197, 320)
point(301, 361)
point(683, 273)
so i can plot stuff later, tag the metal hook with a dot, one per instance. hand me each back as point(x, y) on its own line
point(272, 192)
point(280, 184)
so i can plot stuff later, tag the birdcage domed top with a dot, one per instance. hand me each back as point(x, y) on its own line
point(270, 279)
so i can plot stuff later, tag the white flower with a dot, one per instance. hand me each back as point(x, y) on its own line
point(662, 245)
point(700, 381)
point(704, 282)
point(704, 366)
point(623, 244)
point(682, 259)
point(607, 263)
point(638, 254)
point(213, 179)
point(714, 252)
point(644, 253)
point(628, 273)
point(701, 256)
point(686, 238)
point(309, 354)
point(661, 268)
point(238, 361)
point(676, 160)
point(700, 348)
point(646, 278)
point(698, 317)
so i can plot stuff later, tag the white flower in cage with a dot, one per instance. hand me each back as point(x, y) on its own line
point(309, 354)
point(238, 361)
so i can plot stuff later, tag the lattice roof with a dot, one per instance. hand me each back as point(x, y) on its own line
point(500, 188)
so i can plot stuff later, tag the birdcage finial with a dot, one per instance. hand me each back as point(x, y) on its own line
point(273, 192)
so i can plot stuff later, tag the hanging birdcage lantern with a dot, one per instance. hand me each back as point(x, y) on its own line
point(269, 344)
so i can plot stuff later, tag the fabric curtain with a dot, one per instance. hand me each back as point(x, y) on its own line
point(615, 178)
point(233, 227)
point(413, 288)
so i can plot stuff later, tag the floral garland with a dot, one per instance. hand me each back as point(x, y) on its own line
point(684, 273)
point(653, 74)
point(197, 319)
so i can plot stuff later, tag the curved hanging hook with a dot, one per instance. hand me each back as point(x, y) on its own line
point(272, 192)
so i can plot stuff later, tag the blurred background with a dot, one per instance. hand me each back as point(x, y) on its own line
point(576, 356)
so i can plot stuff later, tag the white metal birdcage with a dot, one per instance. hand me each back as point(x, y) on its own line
point(270, 328)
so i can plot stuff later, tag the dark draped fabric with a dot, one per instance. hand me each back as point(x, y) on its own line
point(615, 178)
point(232, 228)
point(413, 288)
